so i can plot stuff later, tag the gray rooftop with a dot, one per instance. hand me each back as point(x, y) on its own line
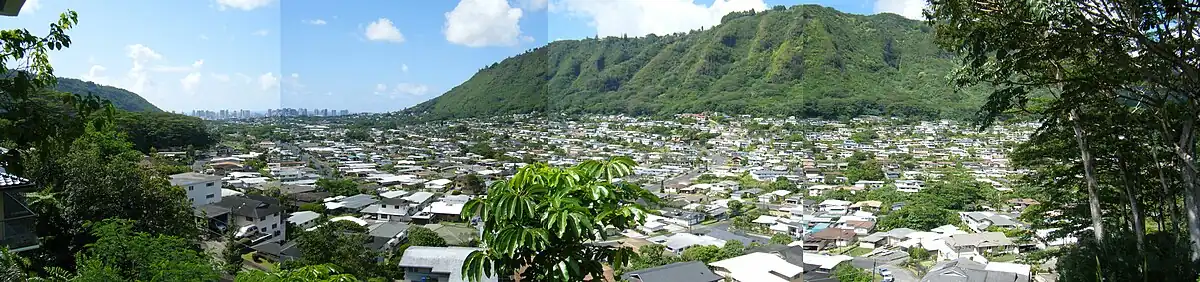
point(982, 240)
point(441, 259)
point(189, 178)
point(691, 271)
point(387, 229)
point(358, 201)
point(965, 270)
point(301, 217)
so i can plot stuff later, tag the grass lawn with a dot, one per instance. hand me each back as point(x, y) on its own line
point(857, 252)
point(1004, 258)
point(269, 265)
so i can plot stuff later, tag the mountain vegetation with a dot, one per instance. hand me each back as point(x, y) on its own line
point(121, 98)
point(804, 60)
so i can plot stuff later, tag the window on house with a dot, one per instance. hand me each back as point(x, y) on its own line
point(276, 232)
point(274, 225)
point(210, 196)
point(262, 218)
point(190, 188)
point(210, 184)
point(248, 218)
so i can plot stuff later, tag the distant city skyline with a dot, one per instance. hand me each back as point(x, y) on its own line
point(372, 56)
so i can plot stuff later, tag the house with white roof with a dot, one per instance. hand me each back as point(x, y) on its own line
point(758, 267)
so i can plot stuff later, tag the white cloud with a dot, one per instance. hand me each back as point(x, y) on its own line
point(534, 5)
point(480, 23)
point(383, 30)
point(96, 74)
point(141, 55)
point(268, 81)
point(404, 68)
point(31, 6)
point(295, 75)
point(203, 37)
point(244, 5)
point(220, 77)
point(380, 89)
point(315, 22)
point(411, 89)
point(907, 8)
point(262, 32)
point(190, 81)
point(637, 18)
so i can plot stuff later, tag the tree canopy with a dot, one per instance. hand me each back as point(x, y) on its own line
point(540, 224)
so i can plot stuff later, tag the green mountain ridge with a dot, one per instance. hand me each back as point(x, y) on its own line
point(805, 60)
point(121, 98)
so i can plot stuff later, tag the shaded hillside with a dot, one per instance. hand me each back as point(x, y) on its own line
point(121, 98)
point(805, 61)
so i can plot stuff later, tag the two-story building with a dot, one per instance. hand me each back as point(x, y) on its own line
point(202, 189)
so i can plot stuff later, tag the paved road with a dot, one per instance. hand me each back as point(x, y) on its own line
point(902, 274)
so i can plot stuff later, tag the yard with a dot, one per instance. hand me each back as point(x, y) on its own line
point(858, 252)
point(1004, 258)
point(271, 266)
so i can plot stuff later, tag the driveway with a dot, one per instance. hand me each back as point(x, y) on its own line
point(902, 274)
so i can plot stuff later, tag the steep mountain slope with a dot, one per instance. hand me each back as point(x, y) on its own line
point(121, 98)
point(804, 60)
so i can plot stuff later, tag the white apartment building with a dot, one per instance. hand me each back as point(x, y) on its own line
point(202, 189)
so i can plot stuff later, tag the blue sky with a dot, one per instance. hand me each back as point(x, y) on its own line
point(362, 55)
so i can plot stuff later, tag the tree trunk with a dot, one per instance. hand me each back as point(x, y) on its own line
point(1185, 150)
point(1138, 219)
point(1168, 198)
point(1089, 175)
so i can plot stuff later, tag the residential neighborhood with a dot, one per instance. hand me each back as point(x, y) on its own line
point(820, 190)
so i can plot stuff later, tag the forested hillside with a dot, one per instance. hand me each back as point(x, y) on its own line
point(121, 98)
point(804, 60)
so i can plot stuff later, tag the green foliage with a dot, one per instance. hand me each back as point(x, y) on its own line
point(340, 243)
point(706, 254)
point(543, 219)
point(848, 273)
point(421, 236)
point(339, 186)
point(781, 239)
point(164, 131)
point(97, 177)
point(311, 273)
point(919, 216)
point(864, 137)
point(919, 254)
point(122, 253)
point(121, 98)
point(957, 191)
point(808, 61)
point(313, 207)
point(358, 134)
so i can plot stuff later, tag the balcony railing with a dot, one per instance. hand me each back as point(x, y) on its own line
point(18, 234)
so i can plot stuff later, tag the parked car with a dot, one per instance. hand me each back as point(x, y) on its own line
point(887, 275)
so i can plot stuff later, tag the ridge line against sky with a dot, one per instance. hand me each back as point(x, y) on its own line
point(372, 56)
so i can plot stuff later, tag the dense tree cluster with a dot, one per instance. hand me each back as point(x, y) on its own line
point(1114, 85)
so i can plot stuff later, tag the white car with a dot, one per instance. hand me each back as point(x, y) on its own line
point(887, 275)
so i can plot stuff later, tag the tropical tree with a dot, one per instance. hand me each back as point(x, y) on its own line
point(781, 239)
point(540, 224)
point(122, 254)
point(340, 243)
point(1062, 60)
point(421, 236)
point(311, 273)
